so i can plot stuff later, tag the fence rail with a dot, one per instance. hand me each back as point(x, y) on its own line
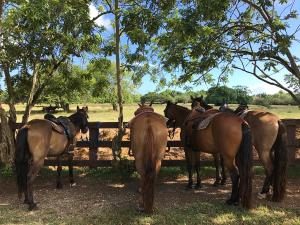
point(94, 143)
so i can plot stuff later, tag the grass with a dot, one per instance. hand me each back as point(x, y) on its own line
point(194, 213)
point(197, 212)
point(104, 112)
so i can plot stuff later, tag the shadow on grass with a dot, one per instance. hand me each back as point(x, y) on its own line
point(199, 213)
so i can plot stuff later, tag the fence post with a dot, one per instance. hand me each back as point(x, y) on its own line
point(94, 140)
point(291, 145)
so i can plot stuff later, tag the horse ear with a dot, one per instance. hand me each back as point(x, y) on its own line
point(77, 108)
point(192, 98)
point(139, 105)
point(85, 108)
point(168, 102)
point(201, 96)
point(176, 103)
point(151, 103)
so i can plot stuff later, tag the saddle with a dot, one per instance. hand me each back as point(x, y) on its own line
point(203, 122)
point(62, 125)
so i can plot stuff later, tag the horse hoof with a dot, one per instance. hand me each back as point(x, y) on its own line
point(32, 207)
point(223, 182)
point(73, 184)
point(59, 186)
point(216, 183)
point(231, 202)
point(198, 186)
point(261, 196)
point(189, 186)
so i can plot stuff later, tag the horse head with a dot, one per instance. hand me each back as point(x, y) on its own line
point(144, 108)
point(241, 108)
point(80, 119)
point(199, 101)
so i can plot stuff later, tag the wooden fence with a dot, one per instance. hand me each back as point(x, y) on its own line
point(95, 142)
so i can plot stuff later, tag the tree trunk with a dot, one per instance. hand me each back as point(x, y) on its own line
point(30, 102)
point(117, 140)
point(11, 98)
point(7, 142)
point(115, 106)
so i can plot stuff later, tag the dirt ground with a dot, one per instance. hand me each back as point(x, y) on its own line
point(94, 192)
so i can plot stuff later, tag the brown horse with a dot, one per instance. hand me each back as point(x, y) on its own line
point(40, 138)
point(148, 136)
point(232, 142)
point(178, 116)
point(269, 139)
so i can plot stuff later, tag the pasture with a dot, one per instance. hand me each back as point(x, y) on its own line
point(103, 196)
point(104, 112)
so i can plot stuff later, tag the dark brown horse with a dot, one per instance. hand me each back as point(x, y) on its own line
point(177, 116)
point(269, 140)
point(148, 136)
point(233, 142)
point(40, 138)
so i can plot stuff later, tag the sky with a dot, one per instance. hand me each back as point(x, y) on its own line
point(237, 78)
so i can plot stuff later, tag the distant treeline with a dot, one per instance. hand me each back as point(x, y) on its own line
point(215, 96)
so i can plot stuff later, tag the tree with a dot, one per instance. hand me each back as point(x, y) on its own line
point(133, 61)
point(256, 37)
point(104, 88)
point(38, 36)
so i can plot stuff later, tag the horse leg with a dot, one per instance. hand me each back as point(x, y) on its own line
point(267, 163)
point(197, 168)
point(189, 167)
point(217, 165)
point(224, 177)
point(71, 176)
point(33, 171)
point(58, 177)
point(234, 198)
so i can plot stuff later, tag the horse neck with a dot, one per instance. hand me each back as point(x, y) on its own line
point(206, 106)
point(74, 123)
point(181, 114)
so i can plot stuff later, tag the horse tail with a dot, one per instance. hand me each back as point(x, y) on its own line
point(244, 163)
point(22, 160)
point(149, 170)
point(280, 164)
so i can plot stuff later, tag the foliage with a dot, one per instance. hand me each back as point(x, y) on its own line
point(171, 95)
point(238, 94)
point(256, 37)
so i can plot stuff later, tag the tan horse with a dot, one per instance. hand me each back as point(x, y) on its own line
point(148, 136)
point(40, 138)
point(270, 140)
point(178, 116)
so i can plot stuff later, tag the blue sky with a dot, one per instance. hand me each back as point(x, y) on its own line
point(237, 78)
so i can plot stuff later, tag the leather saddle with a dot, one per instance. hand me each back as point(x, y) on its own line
point(62, 125)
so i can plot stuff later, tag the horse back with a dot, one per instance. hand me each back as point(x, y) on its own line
point(139, 129)
point(45, 138)
point(223, 134)
point(263, 124)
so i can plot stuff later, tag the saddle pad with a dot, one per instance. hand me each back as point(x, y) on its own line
point(244, 113)
point(143, 113)
point(57, 128)
point(204, 123)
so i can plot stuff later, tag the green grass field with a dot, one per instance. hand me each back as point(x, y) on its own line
point(104, 112)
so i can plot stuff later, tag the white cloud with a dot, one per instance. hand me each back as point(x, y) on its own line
point(101, 21)
point(264, 88)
